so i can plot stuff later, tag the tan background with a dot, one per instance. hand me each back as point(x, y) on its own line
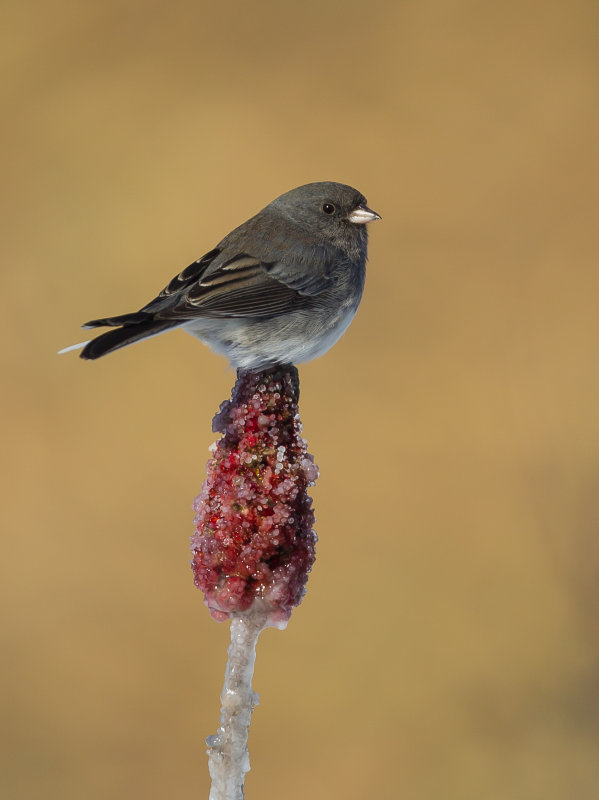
point(448, 645)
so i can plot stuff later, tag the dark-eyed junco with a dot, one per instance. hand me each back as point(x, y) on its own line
point(281, 288)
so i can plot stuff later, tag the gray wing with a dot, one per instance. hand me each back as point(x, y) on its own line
point(219, 284)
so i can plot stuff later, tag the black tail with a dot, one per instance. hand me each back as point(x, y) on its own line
point(124, 319)
point(114, 340)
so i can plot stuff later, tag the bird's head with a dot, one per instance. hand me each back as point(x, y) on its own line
point(331, 212)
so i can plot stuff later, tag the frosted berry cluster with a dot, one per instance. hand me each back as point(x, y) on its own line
point(254, 539)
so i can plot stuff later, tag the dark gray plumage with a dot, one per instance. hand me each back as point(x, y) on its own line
point(281, 288)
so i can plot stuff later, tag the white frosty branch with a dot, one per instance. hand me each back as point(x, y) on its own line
point(228, 758)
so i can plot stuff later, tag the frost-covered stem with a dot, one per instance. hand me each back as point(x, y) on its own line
point(228, 758)
point(254, 543)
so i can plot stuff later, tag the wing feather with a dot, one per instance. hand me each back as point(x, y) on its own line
point(225, 283)
point(246, 291)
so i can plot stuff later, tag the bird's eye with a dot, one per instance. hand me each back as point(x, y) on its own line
point(328, 208)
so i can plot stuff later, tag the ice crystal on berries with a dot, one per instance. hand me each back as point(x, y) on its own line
point(254, 539)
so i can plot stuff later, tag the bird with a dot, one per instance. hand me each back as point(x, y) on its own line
point(281, 288)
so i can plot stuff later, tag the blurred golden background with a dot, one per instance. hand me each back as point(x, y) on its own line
point(448, 644)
